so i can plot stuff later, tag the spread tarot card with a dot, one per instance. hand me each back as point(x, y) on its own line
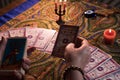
point(97, 57)
point(4, 34)
point(67, 34)
point(17, 32)
point(13, 54)
point(103, 69)
point(32, 34)
point(50, 46)
point(43, 39)
point(111, 76)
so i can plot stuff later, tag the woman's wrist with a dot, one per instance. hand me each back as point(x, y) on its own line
point(73, 73)
point(76, 63)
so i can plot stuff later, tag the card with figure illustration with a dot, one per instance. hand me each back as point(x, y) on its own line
point(97, 57)
point(102, 69)
point(67, 34)
point(13, 54)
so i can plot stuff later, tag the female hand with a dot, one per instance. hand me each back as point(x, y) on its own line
point(78, 56)
point(16, 75)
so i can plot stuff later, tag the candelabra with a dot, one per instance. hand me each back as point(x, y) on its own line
point(60, 13)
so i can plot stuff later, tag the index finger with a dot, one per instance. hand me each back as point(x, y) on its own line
point(82, 41)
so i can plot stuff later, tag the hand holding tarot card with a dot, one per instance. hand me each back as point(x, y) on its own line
point(100, 67)
point(13, 54)
point(67, 34)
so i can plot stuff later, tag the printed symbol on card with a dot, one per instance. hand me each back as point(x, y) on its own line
point(92, 60)
point(100, 68)
point(65, 40)
point(30, 36)
point(41, 38)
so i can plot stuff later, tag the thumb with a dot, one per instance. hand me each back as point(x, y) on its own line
point(2, 46)
point(70, 47)
point(68, 50)
point(2, 40)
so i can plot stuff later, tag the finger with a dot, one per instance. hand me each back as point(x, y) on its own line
point(25, 67)
point(78, 42)
point(70, 46)
point(68, 50)
point(26, 61)
point(83, 40)
point(84, 44)
point(18, 75)
point(2, 46)
point(3, 40)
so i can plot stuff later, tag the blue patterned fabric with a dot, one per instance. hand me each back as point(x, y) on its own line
point(16, 11)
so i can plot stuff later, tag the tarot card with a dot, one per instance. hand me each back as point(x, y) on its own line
point(50, 46)
point(111, 76)
point(102, 69)
point(92, 48)
point(32, 34)
point(13, 54)
point(17, 32)
point(4, 34)
point(97, 57)
point(66, 35)
point(44, 38)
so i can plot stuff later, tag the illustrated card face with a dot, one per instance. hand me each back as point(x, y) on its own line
point(5, 34)
point(102, 69)
point(50, 46)
point(17, 32)
point(44, 38)
point(13, 54)
point(111, 76)
point(66, 35)
point(32, 34)
point(97, 57)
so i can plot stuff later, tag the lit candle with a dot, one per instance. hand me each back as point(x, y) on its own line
point(64, 4)
point(55, 4)
point(60, 2)
point(109, 36)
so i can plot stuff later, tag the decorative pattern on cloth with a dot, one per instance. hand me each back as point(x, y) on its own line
point(42, 14)
point(45, 67)
point(16, 11)
point(8, 5)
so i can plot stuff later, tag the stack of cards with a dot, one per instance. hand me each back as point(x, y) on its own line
point(100, 67)
point(41, 38)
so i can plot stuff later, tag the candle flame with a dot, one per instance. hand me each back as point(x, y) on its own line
point(65, 0)
point(60, 0)
point(110, 30)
